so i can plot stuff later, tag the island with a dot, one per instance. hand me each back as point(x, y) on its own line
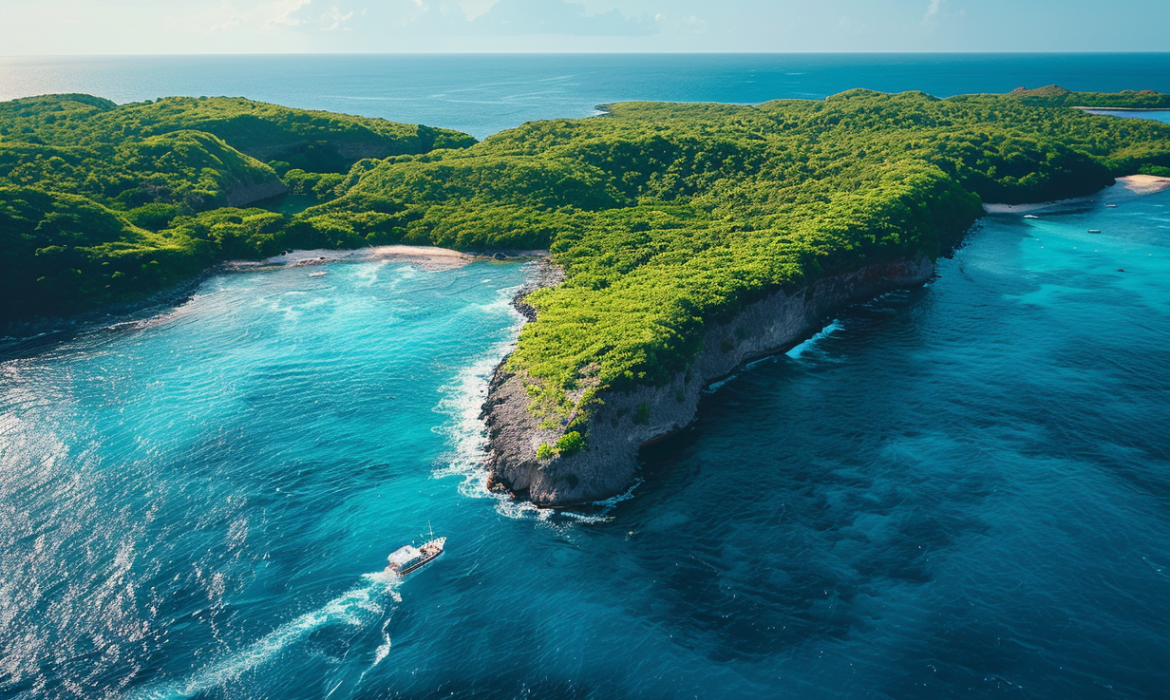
point(683, 239)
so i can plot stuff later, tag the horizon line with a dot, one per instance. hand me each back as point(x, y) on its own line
point(594, 53)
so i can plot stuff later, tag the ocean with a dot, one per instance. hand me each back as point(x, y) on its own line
point(482, 95)
point(961, 490)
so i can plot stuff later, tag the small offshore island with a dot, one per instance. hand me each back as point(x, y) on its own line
point(684, 239)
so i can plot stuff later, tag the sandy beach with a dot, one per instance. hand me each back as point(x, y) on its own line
point(1135, 184)
point(1144, 184)
point(427, 257)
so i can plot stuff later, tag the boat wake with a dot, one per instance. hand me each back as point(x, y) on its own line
point(383, 649)
point(356, 607)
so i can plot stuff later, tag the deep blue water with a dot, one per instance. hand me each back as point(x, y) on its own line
point(956, 491)
point(481, 95)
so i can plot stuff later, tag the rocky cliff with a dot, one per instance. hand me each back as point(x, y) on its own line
point(626, 421)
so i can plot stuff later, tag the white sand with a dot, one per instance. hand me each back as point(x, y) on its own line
point(1129, 186)
point(428, 257)
point(425, 256)
point(1144, 184)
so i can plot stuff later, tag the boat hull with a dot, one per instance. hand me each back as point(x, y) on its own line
point(418, 564)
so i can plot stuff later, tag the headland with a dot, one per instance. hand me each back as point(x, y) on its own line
point(690, 237)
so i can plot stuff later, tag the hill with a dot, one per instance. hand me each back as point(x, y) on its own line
point(1056, 96)
point(88, 187)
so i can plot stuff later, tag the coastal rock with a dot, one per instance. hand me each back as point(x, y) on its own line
point(545, 275)
point(626, 421)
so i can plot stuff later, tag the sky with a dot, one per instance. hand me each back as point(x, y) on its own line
point(59, 27)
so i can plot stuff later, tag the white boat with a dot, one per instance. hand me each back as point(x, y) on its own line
point(408, 559)
point(1031, 216)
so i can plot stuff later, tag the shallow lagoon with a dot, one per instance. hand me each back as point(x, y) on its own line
point(1158, 115)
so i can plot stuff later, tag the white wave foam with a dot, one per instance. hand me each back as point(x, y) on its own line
point(467, 434)
point(605, 512)
point(463, 402)
point(354, 608)
point(796, 352)
point(367, 274)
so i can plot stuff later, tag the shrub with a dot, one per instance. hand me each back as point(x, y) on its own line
point(156, 216)
point(570, 443)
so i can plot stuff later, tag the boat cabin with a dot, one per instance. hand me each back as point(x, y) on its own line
point(403, 557)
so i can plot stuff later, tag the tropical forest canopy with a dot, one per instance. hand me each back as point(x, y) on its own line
point(666, 217)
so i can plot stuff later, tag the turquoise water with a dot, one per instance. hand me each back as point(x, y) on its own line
point(960, 490)
point(481, 95)
point(190, 497)
point(1158, 115)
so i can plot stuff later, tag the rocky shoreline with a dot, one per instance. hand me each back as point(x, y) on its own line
point(626, 421)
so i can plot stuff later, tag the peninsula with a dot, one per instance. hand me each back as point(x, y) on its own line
point(683, 238)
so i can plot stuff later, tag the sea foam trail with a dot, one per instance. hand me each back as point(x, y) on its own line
point(354, 607)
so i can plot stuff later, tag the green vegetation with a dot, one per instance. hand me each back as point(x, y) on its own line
point(666, 218)
point(101, 203)
point(1056, 96)
point(570, 443)
point(59, 251)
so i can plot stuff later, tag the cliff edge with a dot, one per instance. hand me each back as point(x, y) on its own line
point(628, 420)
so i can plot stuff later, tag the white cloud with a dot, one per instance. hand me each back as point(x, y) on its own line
point(474, 8)
point(264, 17)
point(683, 25)
point(284, 13)
point(333, 19)
point(557, 17)
point(930, 19)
